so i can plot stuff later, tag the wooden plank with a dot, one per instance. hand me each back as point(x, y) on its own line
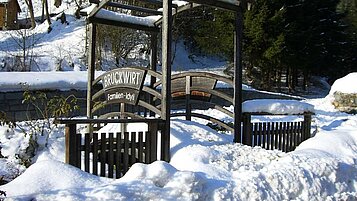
point(166, 50)
point(103, 148)
point(284, 134)
point(247, 130)
point(260, 133)
point(272, 135)
point(126, 152)
point(147, 147)
point(277, 128)
point(280, 136)
point(130, 7)
point(141, 147)
point(188, 98)
point(111, 156)
point(118, 156)
point(86, 151)
point(129, 25)
point(91, 68)
point(218, 4)
point(256, 134)
point(78, 151)
point(153, 129)
point(133, 148)
point(268, 136)
point(264, 134)
point(70, 138)
point(238, 38)
point(95, 154)
point(287, 137)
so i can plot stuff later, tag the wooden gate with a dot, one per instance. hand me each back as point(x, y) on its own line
point(284, 136)
point(111, 154)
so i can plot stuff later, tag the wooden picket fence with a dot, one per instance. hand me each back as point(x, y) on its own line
point(112, 154)
point(284, 136)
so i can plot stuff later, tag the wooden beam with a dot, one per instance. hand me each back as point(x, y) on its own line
point(238, 76)
point(91, 67)
point(123, 24)
point(99, 6)
point(130, 7)
point(219, 4)
point(166, 71)
point(180, 9)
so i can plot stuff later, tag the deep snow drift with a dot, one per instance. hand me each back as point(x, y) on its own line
point(206, 165)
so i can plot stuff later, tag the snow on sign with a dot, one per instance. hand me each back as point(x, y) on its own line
point(123, 85)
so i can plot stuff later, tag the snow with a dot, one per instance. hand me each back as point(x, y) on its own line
point(347, 84)
point(121, 17)
point(206, 165)
point(274, 106)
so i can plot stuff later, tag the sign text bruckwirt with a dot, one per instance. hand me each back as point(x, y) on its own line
point(123, 85)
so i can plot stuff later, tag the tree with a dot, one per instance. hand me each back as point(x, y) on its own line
point(32, 15)
point(264, 40)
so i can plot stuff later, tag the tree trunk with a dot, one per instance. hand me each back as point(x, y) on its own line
point(306, 78)
point(45, 4)
point(32, 15)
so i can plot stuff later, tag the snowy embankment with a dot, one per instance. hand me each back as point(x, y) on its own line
point(205, 165)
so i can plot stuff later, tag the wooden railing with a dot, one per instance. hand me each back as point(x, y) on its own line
point(284, 136)
point(112, 154)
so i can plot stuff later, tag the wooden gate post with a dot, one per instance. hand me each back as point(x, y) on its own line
point(188, 98)
point(247, 129)
point(307, 126)
point(238, 75)
point(70, 141)
point(166, 74)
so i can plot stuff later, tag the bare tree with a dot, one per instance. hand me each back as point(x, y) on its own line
point(32, 15)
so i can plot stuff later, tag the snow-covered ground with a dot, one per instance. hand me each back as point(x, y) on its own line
point(205, 165)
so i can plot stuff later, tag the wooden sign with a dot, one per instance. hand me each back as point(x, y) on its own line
point(123, 85)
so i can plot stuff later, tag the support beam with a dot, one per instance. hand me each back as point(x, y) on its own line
point(91, 67)
point(238, 76)
point(96, 9)
point(153, 64)
point(122, 24)
point(166, 71)
point(130, 7)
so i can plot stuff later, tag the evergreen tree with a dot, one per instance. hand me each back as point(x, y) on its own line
point(264, 42)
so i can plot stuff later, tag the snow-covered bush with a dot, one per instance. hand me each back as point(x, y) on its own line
point(20, 142)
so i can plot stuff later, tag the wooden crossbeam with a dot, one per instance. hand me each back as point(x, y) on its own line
point(218, 4)
point(123, 24)
point(130, 7)
point(96, 9)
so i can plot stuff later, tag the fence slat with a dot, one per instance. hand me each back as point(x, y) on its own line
point(260, 133)
point(147, 147)
point(153, 141)
point(118, 156)
point(284, 137)
point(264, 132)
point(111, 156)
point(86, 151)
point(268, 136)
point(95, 154)
point(255, 133)
point(126, 152)
point(272, 135)
point(141, 147)
point(79, 150)
point(133, 148)
point(102, 154)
